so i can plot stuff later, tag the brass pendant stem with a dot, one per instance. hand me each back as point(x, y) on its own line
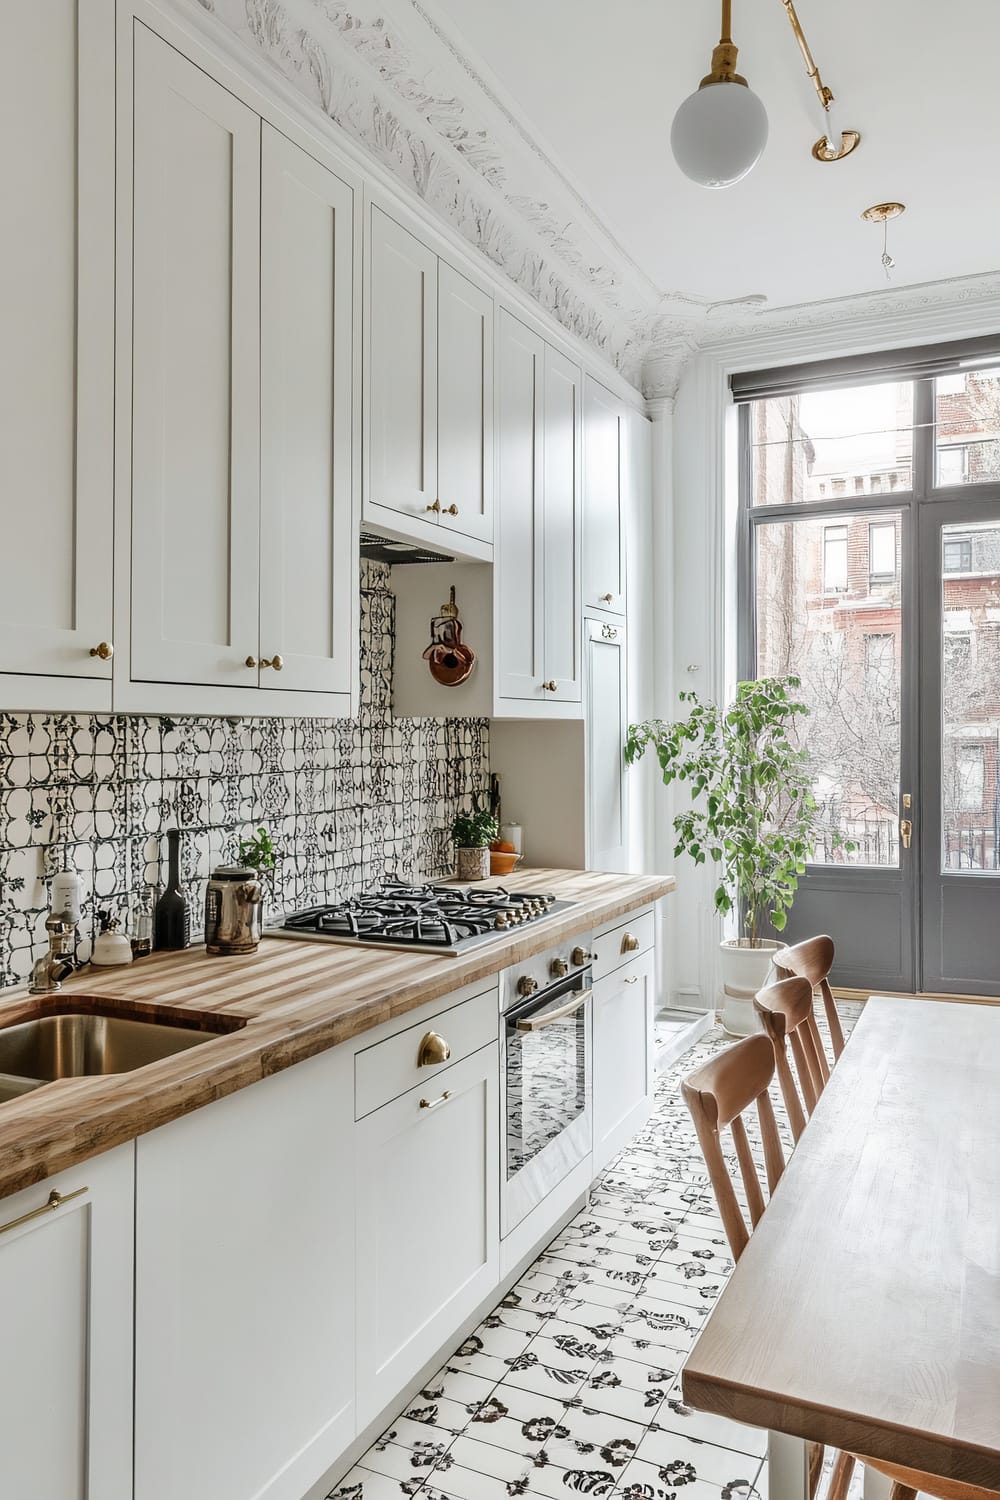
point(812, 71)
point(725, 54)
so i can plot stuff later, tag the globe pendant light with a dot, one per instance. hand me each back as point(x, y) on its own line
point(720, 131)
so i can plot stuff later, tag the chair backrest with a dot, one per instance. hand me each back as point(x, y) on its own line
point(786, 1012)
point(718, 1095)
point(813, 960)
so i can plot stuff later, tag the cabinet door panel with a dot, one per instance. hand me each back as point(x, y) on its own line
point(195, 458)
point(66, 1310)
point(244, 1369)
point(604, 428)
point(623, 1056)
point(402, 370)
point(561, 539)
point(56, 332)
point(309, 579)
point(465, 404)
point(518, 633)
point(428, 1231)
point(606, 716)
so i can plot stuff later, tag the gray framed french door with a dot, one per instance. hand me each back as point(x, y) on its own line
point(870, 569)
point(957, 812)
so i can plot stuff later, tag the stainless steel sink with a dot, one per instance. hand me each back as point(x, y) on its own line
point(66, 1044)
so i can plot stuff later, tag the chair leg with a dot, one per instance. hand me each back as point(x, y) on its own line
point(815, 1468)
point(840, 1479)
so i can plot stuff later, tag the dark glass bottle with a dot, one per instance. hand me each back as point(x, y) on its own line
point(172, 914)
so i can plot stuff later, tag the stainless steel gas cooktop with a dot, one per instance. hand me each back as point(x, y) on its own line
point(445, 919)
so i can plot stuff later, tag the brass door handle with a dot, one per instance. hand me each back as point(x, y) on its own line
point(433, 1050)
point(105, 651)
point(435, 1103)
point(630, 943)
point(606, 598)
point(436, 507)
point(55, 1200)
point(551, 685)
point(905, 831)
point(450, 510)
point(539, 1023)
point(275, 661)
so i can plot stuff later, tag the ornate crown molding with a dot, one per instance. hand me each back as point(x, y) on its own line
point(389, 75)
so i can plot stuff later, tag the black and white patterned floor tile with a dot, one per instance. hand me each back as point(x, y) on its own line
point(572, 1385)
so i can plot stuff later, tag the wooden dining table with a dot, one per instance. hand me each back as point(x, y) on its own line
point(865, 1311)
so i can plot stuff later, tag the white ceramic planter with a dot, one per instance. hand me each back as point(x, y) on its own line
point(473, 864)
point(744, 972)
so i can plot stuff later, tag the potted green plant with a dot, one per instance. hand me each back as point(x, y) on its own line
point(472, 833)
point(753, 814)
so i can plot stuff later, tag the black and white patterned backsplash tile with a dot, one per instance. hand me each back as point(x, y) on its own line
point(347, 801)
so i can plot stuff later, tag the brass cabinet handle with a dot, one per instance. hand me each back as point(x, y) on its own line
point(450, 510)
point(539, 1023)
point(433, 1050)
point(55, 1200)
point(436, 507)
point(905, 831)
point(551, 685)
point(606, 598)
point(435, 1103)
point(275, 661)
point(105, 651)
point(251, 661)
point(630, 942)
point(633, 979)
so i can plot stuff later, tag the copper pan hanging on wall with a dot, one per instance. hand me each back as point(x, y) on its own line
point(451, 663)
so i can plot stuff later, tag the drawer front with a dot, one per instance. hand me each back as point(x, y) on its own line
point(387, 1069)
point(621, 944)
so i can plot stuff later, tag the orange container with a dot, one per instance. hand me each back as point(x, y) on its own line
point(502, 864)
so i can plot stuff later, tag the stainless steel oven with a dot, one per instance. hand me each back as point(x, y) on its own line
point(545, 1077)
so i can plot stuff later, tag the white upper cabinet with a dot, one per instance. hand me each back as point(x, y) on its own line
point(561, 528)
point(242, 586)
point(537, 565)
point(429, 386)
point(605, 425)
point(195, 374)
point(402, 372)
point(465, 406)
point(308, 584)
point(56, 371)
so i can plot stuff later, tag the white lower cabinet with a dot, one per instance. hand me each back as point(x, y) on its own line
point(244, 1246)
point(428, 1232)
point(623, 1055)
point(66, 1314)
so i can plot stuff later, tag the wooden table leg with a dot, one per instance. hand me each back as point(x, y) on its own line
point(788, 1467)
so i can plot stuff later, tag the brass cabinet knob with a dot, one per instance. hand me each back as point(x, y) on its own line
point(558, 968)
point(275, 661)
point(433, 1049)
point(630, 942)
point(606, 598)
point(526, 985)
point(105, 651)
point(551, 685)
point(580, 956)
point(450, 510)
point(251, 661)
point(436, 507)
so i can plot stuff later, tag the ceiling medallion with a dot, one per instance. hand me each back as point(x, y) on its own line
point(881, 213)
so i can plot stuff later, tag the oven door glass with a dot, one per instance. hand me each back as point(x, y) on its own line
point(547, 1070)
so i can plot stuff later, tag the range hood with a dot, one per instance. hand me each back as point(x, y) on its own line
point(385, 549)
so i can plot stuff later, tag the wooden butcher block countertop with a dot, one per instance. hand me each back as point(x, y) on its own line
point(286, 1002)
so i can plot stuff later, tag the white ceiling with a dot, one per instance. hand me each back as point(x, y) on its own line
point(595, 85)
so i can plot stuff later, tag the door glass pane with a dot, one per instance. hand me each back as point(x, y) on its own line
point(970, 683)
point(844, 643)
point(967, 427)
point(819, 445)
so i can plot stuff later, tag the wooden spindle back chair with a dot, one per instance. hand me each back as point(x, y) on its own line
point(786, 1013)
point(813, 960)
point(718, 1094)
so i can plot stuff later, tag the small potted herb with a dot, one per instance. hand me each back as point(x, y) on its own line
point(472, 833)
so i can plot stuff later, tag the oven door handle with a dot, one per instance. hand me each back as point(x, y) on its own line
point(548, 1018)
